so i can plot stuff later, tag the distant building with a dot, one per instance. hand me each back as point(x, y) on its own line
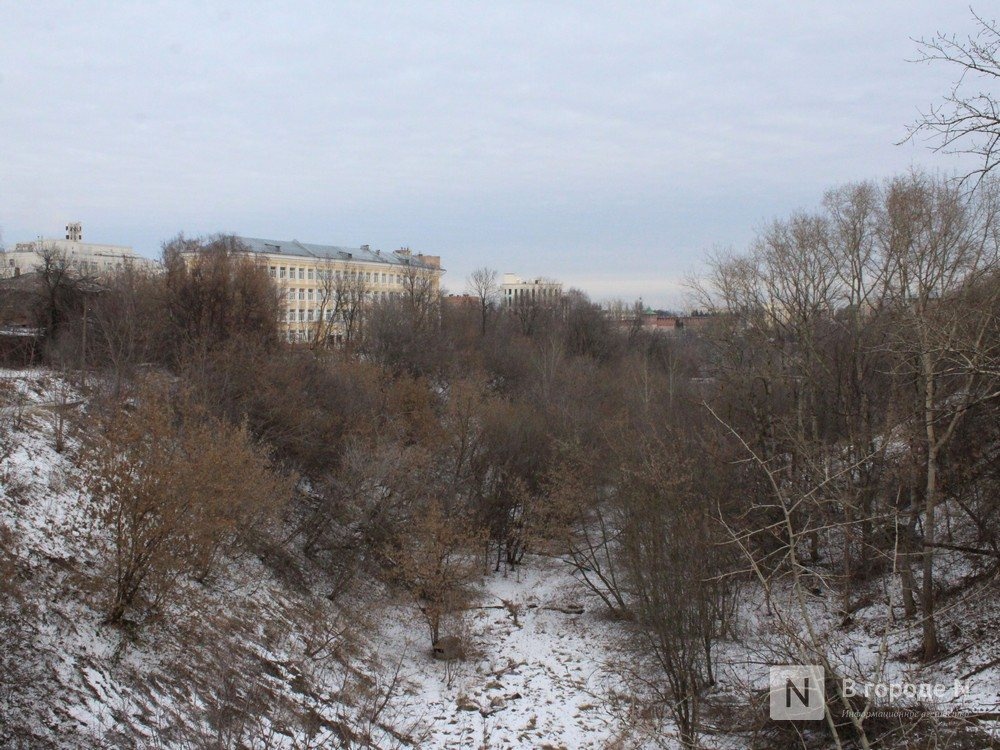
point(659, 321)
point(311, 277)
point(662, 321)
point(462, 300)
point(515, 291)
point(86, 258)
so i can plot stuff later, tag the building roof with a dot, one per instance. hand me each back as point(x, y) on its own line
point(362, 254)
point(31, 245)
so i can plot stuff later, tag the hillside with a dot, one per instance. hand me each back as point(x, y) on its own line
point(263, 658)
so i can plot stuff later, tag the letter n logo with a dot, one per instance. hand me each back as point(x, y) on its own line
point(797, 692)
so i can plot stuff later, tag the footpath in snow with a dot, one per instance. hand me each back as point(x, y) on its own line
point(535, 673)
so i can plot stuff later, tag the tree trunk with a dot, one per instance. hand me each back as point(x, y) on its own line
point(931, 645)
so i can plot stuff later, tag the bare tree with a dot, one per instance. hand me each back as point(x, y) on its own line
point(435, 562)
point(214, 292)
point(420, 296)
point(483, 285)
point(176, 487)
point(587, 527)
point(968, 120)
point(351, 294)
point(327, 298)
point(125, 323)
point(657, 555)
point(940, 244)
point(64, 288)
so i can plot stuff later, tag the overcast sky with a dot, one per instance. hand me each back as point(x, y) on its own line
point(608, 145)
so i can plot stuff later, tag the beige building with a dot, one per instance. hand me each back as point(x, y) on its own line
point(323, 286)
point(86, 258)
point(515, 291)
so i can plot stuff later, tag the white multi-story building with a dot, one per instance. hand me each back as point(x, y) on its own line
point(86, 258)
point(515, 291)
point(317, 279)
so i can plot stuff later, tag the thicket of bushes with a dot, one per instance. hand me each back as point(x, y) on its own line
point(845, 392)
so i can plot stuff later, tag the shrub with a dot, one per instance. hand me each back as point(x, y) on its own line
point(177, 487)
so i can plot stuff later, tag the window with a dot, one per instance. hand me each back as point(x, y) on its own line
point(281, 272)
point(309, 315)
point(302, 315)
point(309, 274)
point(309, 294)
point(273, 271)
point(302, 293)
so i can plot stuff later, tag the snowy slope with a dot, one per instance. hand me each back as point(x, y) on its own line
point(261, 658)
point(537, 681)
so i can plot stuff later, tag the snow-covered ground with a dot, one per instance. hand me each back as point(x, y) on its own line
point(262, 658)
point(535, 674)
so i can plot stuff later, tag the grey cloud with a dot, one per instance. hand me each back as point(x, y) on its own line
point(607, 143)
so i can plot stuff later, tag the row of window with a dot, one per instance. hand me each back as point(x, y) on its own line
point(543, 291)
point(521, 297)
point(318, 274)
point(308, 316)
point(307, 335)
point(84, 264)
point(310, 295)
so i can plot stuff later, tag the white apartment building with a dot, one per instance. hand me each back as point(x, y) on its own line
point(515, 291)
point(87, 258)
point(310, 276)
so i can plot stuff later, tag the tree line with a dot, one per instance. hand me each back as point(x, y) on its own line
point(833, 427)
